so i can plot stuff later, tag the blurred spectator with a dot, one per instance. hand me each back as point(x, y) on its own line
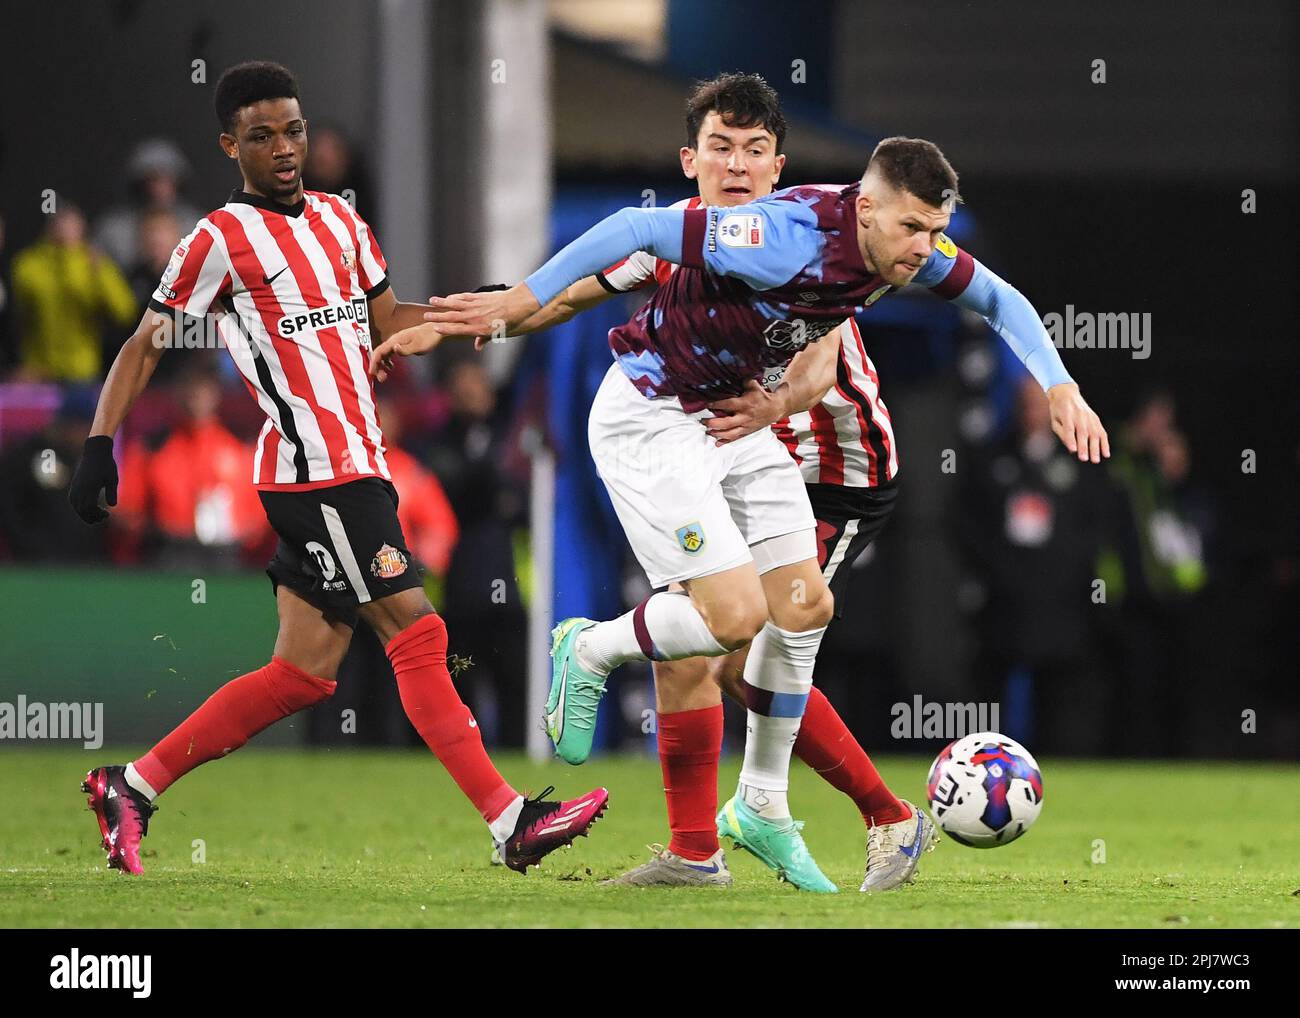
point(485, 614)
point(1029, 523)
point(1163, 551)
point(160, 232)
point(1158, 568)
point(334, 167)
point(36, 521)
point(156, 173)
point(185, 493)
point(65, 293)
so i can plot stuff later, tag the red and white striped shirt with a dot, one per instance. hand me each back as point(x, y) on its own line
point(288, 287)
point(847, 439)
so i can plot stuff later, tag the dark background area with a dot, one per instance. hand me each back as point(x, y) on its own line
point(1116, 197)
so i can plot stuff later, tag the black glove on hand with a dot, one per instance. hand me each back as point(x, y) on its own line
point(96, 472)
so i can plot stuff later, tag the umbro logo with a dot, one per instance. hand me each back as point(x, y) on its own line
point(268, 280)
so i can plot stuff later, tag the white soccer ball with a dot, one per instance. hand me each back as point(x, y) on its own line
point(985, 790)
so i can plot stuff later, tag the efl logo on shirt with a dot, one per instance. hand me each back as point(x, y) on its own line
point(741, 230)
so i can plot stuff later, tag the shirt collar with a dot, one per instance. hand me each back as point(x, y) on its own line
point(257, 201)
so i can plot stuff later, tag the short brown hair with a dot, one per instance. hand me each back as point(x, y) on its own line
point(918, 167)
point(741, 100)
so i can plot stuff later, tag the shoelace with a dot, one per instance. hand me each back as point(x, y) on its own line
point(879, 841)
point(536, 809)
point(540, 798)
point(585, 700)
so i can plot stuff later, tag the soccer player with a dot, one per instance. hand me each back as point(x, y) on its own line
point(756, 286)
point(297, 283)
point(827, 411)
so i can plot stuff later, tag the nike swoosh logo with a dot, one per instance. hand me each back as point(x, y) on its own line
point(556, 719)
point(268, 280)
point(702, 868)
point(915, 848)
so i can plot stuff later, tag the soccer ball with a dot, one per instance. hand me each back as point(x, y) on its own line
point(985, 790)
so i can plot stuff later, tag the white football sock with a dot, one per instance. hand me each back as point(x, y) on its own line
point(134, 779)
point(778, 678)
point(664, 627)
point(504, 825)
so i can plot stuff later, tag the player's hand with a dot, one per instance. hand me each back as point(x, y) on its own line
point(96, 472)
point(483, 315)
point(742, 415)
point(1076, 424)
point(412, 342)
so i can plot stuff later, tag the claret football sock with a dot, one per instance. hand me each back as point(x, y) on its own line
point(226, 720)
point(827, 746)
point(778, 678)
point(690, 742)
point(429, 697)
point(663, 627)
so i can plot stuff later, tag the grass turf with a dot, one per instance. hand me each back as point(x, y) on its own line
point(292, 838)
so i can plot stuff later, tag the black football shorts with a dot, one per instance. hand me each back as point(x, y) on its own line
point(848, 519)
point(340, 547)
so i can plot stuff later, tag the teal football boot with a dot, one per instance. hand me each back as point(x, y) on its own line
point(778, 845)
point(575, 695)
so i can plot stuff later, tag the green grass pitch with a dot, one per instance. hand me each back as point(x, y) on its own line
point(292, 838)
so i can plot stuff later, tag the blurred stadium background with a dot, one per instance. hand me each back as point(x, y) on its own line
point(477, 138)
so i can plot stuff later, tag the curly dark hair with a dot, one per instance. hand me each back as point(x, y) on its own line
point(248, 83)
point(741, 100)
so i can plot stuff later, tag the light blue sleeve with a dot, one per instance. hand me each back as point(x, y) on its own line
point(763, 244)
point(658, 231)
point(1005, 308)
point(1012, 317)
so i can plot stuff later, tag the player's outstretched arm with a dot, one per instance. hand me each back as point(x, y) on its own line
point(504, 312)
point(807, 380)
point(572, 300)
point(130, 373)
point(1012, 317)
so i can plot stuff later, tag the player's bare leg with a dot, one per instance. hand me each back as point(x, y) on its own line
point(523, 830)
point(301, 673)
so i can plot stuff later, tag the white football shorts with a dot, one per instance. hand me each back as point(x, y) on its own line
point(689, 507)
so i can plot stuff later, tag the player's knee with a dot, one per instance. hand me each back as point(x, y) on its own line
point(738, 625)
point(802, 614)
point(821, 611)
point(423, 634)
point(294, 689)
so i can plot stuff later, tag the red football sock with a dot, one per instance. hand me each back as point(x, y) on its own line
point(690, 742)
point(827, 746)
point(230, 717)
point(419, 657)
